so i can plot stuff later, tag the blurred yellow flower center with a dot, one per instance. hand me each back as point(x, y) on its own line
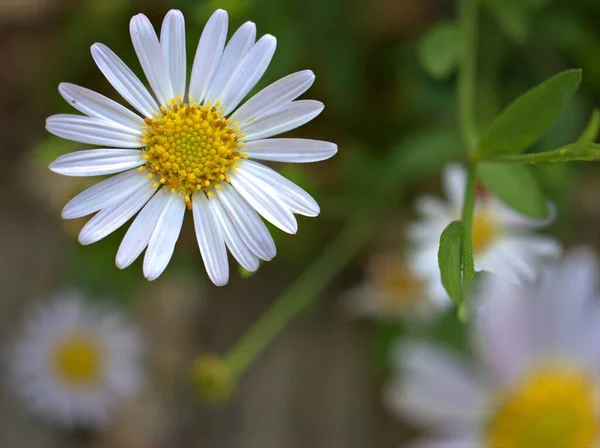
point(190, 148)
point(484, 231)
point(554, 408)
point(399, 287)
point(77, 360)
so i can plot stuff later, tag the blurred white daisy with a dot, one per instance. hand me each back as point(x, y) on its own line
point(190, 145)
point(74, 362)
point(537, 382)
point(504, 241)
point(393, 289)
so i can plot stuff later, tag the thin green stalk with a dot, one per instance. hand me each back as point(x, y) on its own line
point(466, 115)
point(467, 72)
point(467, 221)
point(541, 157)
point(301, 293)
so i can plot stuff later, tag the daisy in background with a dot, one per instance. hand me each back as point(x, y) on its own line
point(537, 380)
point(74, 361)
point(190, 145)
point(504, 242)
point(392, 289)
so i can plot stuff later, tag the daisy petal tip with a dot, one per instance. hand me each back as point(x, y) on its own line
point(220, 282)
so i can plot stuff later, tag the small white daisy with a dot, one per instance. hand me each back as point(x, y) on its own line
point(504, 242)
point(537, 382)
point(190, 146)
point(393, 289)
point(74, 362)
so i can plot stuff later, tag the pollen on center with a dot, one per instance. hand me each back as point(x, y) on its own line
point(77, 360)
point(190, 148)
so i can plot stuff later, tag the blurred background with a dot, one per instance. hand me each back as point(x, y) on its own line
point(319, 384)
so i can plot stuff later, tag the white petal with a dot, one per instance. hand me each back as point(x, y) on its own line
point(124, 80)
point(284, 119)
point(239, 44)
point(97, 162)
point(434, 388)
point(162, 242)
point(454, 180)
point(235, 244)
point(504, 328)
point(298, 200)
point(291, 150)
point(172, 41)
point(512, 218)
point(208, 55)
point(94, 131)
point(137, 236)
point(251, 228)
point(150, 55)
point(274, 96)
point(210, 240)
point(95, 105)
point(104, 194)
point(260, 197)
point(111, 218)
point(248, 72)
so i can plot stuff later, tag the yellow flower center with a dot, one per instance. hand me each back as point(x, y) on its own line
point(396, 282)
point(554, 408)
point(190, 148)
point(77, 360)
point(484, 231)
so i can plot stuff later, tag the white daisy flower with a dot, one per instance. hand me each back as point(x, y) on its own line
point(190, 145)
point(74, 362)
point(393, 289)
point(504, 241)
point(537, 382)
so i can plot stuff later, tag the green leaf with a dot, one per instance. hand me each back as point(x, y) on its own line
point(516, 186)
point(450, 260)
point(530, 115)
point(439, 50)
point(514, 16)
point(590, 134)
point(511, 20)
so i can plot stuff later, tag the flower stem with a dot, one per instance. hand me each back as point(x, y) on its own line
point(301, 293)
point(466, 114)
point(467, 221)
point(467, 72)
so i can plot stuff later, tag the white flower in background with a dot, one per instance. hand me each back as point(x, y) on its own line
point(393, 289)
point(74, 362)
point(504, 242)
point(537, 382)
point(190, 146)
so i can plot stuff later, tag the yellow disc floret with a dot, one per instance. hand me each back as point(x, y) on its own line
point(77, 360)
point(485, 231)
point(189, 148)
point(398, 285)
point(553, 408)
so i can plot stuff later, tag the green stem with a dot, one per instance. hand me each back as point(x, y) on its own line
point(466, 115)
point(302, 292)
point(541, 157)
point(467, 73)
point(467, 220)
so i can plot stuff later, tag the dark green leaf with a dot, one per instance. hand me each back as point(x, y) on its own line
point(516, 186)
point(530, 115)
point(439, 50)
point(450, 260)
point(512, 20)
